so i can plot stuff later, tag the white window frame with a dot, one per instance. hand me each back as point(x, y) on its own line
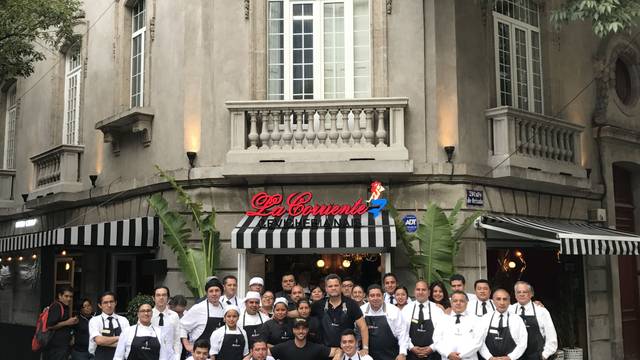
point(318, 47)
point(135, 34)
point(10, 128)
point(528, 29)
point(72, 73)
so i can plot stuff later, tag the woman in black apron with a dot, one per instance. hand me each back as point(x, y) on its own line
point(142, 341)
point(229, 339)
point(279, 328)
point(535, 340)
point(421, 331)
point(144, 347)
point(383, 344)
point(499, 340)
point(304, 310)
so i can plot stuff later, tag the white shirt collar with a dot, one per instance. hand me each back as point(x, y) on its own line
point(105, 316)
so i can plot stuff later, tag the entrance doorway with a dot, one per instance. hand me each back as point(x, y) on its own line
point(310, 269)
point(627, 265)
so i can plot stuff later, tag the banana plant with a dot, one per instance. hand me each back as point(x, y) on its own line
point(433, 248)
point(196, 264)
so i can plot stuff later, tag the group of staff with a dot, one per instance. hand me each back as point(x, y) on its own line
point(296, 324)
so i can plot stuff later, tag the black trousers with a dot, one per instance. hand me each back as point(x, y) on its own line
point(55, 353)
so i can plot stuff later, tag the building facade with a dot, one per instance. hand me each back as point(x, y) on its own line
point(326, 96)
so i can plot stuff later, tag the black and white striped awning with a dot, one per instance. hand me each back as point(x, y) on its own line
point(315, 232)
point(142, 232)
point(573, 238)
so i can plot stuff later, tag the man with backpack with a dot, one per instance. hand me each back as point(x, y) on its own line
point(61, 323)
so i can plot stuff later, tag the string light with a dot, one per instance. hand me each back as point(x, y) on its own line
point(34, 256)
point(20, 258)
point(9, 258)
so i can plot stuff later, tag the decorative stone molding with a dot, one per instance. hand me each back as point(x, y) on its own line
point(7, 179)
point(137, 120)
point(247, 9)
point(389, 6)
point(57, 170)
point(152, 28)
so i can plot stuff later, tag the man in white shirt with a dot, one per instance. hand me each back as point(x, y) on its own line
point(482, 304)
point(390, 283)
point(388, 337)
point(106, 328)
point(349, 346)
point(167, 320)
point(230, 296)
point(458, 282)
point(542, 337)
point(506, 335)
point(143, 340)
point(251, 319)
point(204, 317)
point(422, 316)
point(256, 284)
point(459, 336)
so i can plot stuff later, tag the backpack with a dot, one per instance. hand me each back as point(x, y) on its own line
point(42, 336)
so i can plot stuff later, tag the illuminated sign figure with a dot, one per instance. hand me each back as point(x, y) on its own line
point(375, 203)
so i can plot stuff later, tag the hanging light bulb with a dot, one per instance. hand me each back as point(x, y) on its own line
point(20, 258)
point(518, 253)
point(346, 263)
point(34, 256)
point(320, 263)
point(64, 253)
point(9, 258)
point(512, 264)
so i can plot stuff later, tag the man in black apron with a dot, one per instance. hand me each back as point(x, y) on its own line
point(143, 341)
point(421, 315)
point(229, 342)
point(105, 329)
point(388, 338)
point(251, 318)
point(542, 340)
point(482, 305)
point(506, 333)
point(204, 317)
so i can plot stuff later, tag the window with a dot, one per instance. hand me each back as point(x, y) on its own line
point(517, 53)
point(73, 65)
point(138, 28)
point(318, 49)
point(10, 129)
point(623, 82)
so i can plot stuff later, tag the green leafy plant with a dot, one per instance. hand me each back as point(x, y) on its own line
point(197, 264)
point(134, 305)
point(432, 249)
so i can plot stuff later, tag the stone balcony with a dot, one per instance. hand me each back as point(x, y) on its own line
point(57, 170)
point(350, 136)
point(529, 146)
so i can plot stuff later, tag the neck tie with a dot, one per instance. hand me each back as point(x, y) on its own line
point(228, 302)
point(521, 310)
point(458, 318)
point(161, 322)
point(421, 315)
point(391, 299)
point(484, 307)
point(110, 326)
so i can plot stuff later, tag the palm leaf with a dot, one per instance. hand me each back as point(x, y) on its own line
point(435, 244)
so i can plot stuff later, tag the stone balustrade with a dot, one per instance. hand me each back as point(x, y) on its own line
point(317, 130)
point(533, 142)
point(57, 169)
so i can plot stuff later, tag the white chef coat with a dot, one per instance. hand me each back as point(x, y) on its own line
point(396, 322)
point(412, 312)
point(465, 338)
point(100, 322)
point(126, 338)
point(234, 300)
point(194, 322)
point(516, 327)
point(475, 307)
point(547, 329)
point(217, 337)
point(171, 329)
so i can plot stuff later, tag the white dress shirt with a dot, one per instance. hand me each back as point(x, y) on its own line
point(171, 329)
point(396, 322)
point(139, 330)
point(355, 356)
point(234, 300)
point(465, 338)
point(547, 329)
point(411, 312)
point(100, 322)
point(194, 322)
point(217, 337)
point(516, 327)
point(387, 298)
point(475, 307)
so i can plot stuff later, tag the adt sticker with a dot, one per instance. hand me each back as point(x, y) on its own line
point(411, 223)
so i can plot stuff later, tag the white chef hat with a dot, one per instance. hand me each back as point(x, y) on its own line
point(231, 307)
point(256, 281)
point(252, 295)
point(281, 300)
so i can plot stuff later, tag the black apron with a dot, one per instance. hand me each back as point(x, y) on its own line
point(488, 302)
point(107, 352)
point(232, 346)
point(212, 324)
point(252, 330)
point(284, 332)
point(144, 347)
point(421, 334)
point(499, 341)
point(332, 325)
point(383, 345)
point(535, 340)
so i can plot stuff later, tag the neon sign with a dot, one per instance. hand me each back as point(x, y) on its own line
point(299, 204)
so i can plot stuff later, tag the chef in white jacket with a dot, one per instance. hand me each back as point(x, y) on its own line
point(506, 333)
point(459, 336)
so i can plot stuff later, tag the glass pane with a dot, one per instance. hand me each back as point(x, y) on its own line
point(275, 10)
point(504, 64)
point(522, 78)
point(361, 46)
point(526, 11)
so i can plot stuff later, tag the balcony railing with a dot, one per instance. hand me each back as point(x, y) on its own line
point(58, 169)
point(317, 130)
point(520, 139)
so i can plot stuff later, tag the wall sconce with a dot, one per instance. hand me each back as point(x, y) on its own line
point(191, 155)
point(93, 179)
point(25, 196)
point(449, 150)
